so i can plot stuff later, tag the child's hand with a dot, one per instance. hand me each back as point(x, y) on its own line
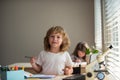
point(67, 71)
point(77, 60)
point(33, 60)
point(35, 66)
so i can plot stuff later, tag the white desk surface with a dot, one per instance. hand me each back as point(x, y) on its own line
point(60, 78)
point(27, 64)
point(21, 64)
point(56, 78)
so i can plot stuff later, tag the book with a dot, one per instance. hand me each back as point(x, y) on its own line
point(41, 76)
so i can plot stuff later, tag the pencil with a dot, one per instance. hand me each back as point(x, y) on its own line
point(28, 57)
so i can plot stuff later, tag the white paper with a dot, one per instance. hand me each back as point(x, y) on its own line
point(41, 76)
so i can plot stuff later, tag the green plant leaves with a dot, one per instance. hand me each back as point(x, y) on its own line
point(93, 51)
point(88, 51)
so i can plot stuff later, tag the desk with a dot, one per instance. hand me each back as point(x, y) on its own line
point(63, 76)
point(28, 68)
point(56, 78)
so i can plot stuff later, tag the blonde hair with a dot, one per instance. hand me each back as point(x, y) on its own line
point(57, 29)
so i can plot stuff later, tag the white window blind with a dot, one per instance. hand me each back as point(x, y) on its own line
point(107, 32)
point(98, 24)
point(112, 35)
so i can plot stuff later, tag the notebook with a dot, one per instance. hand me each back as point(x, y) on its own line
point(41, 76)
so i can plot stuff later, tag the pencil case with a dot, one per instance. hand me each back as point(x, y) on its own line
point(12, 75)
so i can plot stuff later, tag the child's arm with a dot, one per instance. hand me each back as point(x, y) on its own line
point(68, 70)
point(35, 66)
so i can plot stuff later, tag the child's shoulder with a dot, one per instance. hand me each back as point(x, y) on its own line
point(72, 55)
point(66, 52)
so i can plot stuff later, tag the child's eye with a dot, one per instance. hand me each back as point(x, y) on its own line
point(58, 37)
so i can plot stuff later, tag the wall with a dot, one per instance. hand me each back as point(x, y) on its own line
point(23, 25)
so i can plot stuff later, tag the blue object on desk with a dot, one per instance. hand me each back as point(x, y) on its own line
point(12, 75)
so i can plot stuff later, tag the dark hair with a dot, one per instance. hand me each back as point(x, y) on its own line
point(57, 29)
point(81, 46)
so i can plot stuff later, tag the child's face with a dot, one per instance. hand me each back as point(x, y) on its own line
point(55, 40)
point(81, 53)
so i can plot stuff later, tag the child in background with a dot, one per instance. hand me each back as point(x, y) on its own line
point(79, 54)
point(54, 59)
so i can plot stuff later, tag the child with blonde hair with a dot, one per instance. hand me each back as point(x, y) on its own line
point(54, 59)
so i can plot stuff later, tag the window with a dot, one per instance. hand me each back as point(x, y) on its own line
point(110, 24)
point(98, 28)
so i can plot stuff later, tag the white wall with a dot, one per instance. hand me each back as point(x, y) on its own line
point(23, 25)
